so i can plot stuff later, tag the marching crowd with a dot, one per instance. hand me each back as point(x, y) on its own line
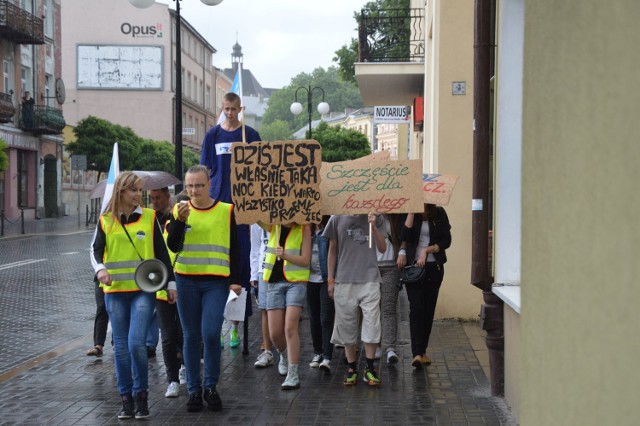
point(345, 270)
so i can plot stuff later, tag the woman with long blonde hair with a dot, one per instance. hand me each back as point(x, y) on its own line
point(126, 235)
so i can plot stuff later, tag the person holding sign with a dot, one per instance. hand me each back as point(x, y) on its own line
point(126, 235)
point(354, 284)
point(202, 234)
point(286, 269)
point(427, 235)
point(216, 156)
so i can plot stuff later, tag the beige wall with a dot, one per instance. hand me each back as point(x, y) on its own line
point(581, 236)
point(448, 142)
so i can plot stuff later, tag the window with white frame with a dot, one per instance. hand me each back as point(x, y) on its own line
point(48, 18)
point(207, 97)
point(188, 91)
point(48, 89)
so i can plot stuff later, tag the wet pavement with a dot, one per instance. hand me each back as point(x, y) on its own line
point(46, 316)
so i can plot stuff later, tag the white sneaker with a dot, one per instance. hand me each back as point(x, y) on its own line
point(392, 357)
point(172, 390)
point(265, 359)
point(378, 353)
point(325, 365)
point(292, 381)
point(283, 365)
point(315, 362)
point(182, 374)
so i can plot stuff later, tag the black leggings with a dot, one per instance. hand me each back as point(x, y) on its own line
point(423, 297)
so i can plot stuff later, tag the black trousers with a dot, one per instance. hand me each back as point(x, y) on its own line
point(101, 322)
point(321, 317)
point(171, 334)
point(423, 297)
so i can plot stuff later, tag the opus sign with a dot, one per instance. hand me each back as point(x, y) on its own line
point(141, 30)
point(391, 114)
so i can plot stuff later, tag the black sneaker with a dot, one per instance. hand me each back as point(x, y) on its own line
point(142, 405)
point(127, 407)
point(213, 399)
point(195, 402)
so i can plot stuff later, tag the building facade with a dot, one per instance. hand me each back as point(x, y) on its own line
point(424, 71)
point(120, 65)
point(30, 54)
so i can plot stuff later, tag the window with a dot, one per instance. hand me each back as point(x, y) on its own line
point(182, 80)
point(195, 88)
point(26, 5)
point(200, 92)
point(48, 90)
point(8, 68)
point(48, 18)
point(207, 98)
point(26, 82)
point(23, 178)
point(188, 91)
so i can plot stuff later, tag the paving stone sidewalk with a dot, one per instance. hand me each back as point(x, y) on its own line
point(73, 389)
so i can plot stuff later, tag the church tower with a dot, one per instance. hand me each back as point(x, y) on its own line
point(236, 57)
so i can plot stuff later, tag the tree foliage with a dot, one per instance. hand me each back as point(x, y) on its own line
point(347, 55)
point(189, 158)
point(4, 158)
point(339, 94)
point(156, 156)
point(95, 138)
point(340, 144)
point(277, 130)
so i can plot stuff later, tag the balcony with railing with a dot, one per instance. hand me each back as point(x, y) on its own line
point(391, 35)
point(391, 55)
point(7, 110)
point(41, 119)
point(20, 26)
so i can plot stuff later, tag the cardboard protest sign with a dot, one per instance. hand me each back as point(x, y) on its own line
point(276, 182)
point(371, 185)
point(437, 189)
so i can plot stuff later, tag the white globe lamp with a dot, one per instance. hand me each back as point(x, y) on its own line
point(142, 4)
point(323, 108)
point(296, 108)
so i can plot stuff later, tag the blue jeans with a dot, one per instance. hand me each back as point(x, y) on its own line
point(130, 314)
point(153, 335)
point(201, 309)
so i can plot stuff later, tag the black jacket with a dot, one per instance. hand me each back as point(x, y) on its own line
point(439, 233)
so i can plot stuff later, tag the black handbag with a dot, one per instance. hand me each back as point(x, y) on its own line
point(412, 274)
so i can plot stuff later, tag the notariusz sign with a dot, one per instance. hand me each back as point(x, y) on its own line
point(391, 114)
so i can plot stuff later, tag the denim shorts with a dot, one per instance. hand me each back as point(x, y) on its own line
point(282, 294)
point(263, 287)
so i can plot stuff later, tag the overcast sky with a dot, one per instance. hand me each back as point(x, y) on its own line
point(279, 38)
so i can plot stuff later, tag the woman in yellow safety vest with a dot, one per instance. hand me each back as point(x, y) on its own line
point(202, 232)
point(126, 235)
point(286, 269)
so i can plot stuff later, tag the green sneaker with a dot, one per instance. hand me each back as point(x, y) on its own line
point(351, 379)
point(234, 340)
point(371, 377)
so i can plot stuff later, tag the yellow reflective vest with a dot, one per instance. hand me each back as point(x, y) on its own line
point(207, 241)
point(292, 245)
point(120, 256)
point(162, 294)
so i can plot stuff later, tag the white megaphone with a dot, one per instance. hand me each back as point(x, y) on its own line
point(151, 276)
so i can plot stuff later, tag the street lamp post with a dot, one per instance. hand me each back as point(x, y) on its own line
point(177, 131)
point(296, 107)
